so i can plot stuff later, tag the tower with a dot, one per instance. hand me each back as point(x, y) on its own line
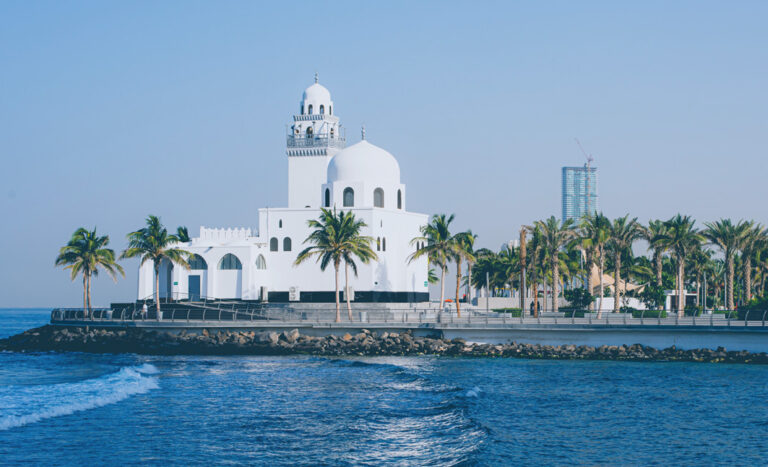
point(311, 141)
point(579, 191)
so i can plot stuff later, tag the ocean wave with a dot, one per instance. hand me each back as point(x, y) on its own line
point(22, 405)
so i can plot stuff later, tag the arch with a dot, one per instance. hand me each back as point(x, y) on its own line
point(331, 132)
point(378, 198)
point(302, 109)
point(197, 262)
point(378, 243)
point(273, 244)
point(310, 131)
point(349, 197)
point(261, 263)
point(280, 224)
point(383, 243)
point(230, 261)
point(399, 199)
point(322, 109)
point(287, 244)
point(327, 197)
point(310, 109)
point(330, 110)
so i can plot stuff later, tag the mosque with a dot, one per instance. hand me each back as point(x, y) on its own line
point(242, 264)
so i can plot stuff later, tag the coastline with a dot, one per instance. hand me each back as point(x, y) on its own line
point(365, 343)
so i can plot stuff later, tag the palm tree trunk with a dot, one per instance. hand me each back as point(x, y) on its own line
point(657, 259)
point(729, 285)
point(157, 286)
point(346, 290)
point(602, 287)
point(590, 285)
point(698, 290)
point(89, 295)
point(469, 282)
point(338, 306)
point(546, 289)
point(680, 287)
point(748, 277)
point(85, 296)
point(555, 285)
point(616, 279)
point(442, 286)
point(458, 283)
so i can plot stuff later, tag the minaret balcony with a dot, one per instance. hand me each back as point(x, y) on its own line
point(319, 141)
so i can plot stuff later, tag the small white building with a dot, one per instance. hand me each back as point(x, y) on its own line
point(238, 263)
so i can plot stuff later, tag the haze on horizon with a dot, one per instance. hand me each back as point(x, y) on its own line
point(112, 111)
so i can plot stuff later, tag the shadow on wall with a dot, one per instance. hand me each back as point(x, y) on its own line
point(382, 276)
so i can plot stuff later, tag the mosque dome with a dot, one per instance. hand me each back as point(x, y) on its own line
point(316, 93)
point(364, 162)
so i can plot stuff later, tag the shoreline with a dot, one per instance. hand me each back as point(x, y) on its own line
point(365, 343)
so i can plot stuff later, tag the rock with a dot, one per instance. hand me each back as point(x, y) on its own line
point(346, 337)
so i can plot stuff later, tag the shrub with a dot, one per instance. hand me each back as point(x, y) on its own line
point(573, 312)
point(649, 314)
point(514, 312)
point(653, 296)
point(693, 310)
point(579, 298)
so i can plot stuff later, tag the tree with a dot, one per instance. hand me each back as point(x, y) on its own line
point(728, 237)
point(655, 235)
point(751, 245)
point(623, 232)
point(438, 246)
point(683, 239)
point(336, 237)
point(468, 238)
point(579, 298)
point(595, 231)
point(182, 234)
point(154, 243)
point(84, 254)
point(461, 251)
point(555, 235)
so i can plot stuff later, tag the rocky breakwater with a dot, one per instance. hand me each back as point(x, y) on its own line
point(364, 343)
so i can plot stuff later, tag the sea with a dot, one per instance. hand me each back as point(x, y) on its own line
point(84, 409)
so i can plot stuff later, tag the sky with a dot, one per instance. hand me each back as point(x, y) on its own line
point(110, 111)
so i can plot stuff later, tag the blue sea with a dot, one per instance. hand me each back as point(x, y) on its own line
point(74, 408)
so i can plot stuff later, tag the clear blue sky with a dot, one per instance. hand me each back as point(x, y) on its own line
point(110, 111)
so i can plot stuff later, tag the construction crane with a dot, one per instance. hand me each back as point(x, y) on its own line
point(589, 157)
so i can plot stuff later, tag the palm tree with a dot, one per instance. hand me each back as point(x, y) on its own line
point(154, 243)
point(595, 230)
point(555, 235)
point(461, 251)
point(683, 239)
point(183, 234)
point(699, 262)
point(84, 254)
point(623, 233)
point(469, 239)
point(750, 247)
point(336, 238)
point(655, 235)
point(439, 246)
point(728, 237)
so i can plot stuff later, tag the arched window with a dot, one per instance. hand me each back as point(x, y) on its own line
point(322, 109)
point(197, 262)
point(399, 199)
point(327, 198)
point(230, 261)
point(273, 244)
point(287, 244)
point(331, 132)
point(378, 198)
point(302, 109)
point(378, 243)
point(384, 244)
point(310, 109)
point(261, 263)
point(330, 110)
point(309, 132)
point(280, 224)
point(349, 197)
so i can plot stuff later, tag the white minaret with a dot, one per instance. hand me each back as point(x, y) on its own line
point(312, 140)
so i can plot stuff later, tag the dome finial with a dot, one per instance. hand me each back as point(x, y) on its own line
point(316, 78)
point(362, 132)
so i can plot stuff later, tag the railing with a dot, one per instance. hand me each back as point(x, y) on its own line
point(316, 141)
point(240, 313)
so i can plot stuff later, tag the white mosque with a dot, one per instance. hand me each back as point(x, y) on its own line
point(238, 263)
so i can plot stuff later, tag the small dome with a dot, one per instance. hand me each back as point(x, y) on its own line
point(316, 93)
point(364, 162)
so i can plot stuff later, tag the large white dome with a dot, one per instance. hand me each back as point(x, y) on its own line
point(317, 93)
point(364, 162)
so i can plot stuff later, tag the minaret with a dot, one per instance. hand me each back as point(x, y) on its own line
point(313, 138)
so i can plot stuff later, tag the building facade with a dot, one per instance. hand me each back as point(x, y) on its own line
point(242, 264)
point(579, 192)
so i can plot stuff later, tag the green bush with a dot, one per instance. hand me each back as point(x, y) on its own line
point(692, 310)
point(579, 298)
point(649, 313)
point(514, 312)
point(573, 312)
point(754, 310)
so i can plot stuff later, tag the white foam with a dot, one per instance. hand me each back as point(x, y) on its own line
point(474, 392)
point(22, 405)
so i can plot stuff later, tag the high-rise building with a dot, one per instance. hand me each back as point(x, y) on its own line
point(579, 191)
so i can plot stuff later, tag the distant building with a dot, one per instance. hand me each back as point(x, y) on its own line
point(579, 191)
